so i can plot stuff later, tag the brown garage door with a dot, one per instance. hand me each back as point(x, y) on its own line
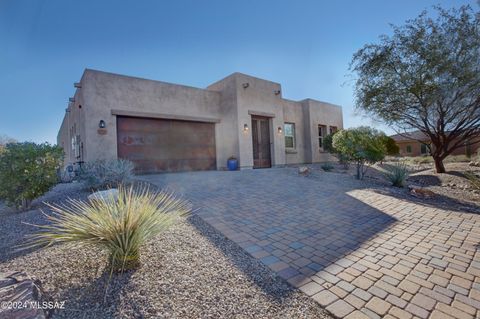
point(161, 145)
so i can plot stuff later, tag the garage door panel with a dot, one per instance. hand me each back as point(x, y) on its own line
point(157, 145)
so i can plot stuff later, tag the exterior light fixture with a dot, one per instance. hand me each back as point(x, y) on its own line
point(246, 85)
point(279, 130)
point(71, 99)
point(101, 124)
point(277, 92)
point(245, 127)
point(77, 85)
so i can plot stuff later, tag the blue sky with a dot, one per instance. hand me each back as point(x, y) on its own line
point(304, 45)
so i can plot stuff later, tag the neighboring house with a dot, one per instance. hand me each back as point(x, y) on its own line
point(168, 127)
point(417, 143)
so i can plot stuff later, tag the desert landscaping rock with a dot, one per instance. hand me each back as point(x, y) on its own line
point(18, 287)
point(304, 170)
point(191, 271)
point(106, 195)
point(420, 192)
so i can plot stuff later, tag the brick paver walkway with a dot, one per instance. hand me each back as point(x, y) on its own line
point(359, 253)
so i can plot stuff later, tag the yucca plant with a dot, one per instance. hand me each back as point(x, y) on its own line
point(397, 174)
point(120, 226)
point(473, 179)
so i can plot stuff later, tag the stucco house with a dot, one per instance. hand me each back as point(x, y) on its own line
point(169, 127)
point(417, 143)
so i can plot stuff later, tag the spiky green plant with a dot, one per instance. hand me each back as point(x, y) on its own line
point(397, 174)
point(473, 179)
point(118, 225)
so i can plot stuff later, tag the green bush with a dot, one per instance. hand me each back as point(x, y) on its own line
point(120, 226)
point(103, 174)
point(327, 167)
point(4, 140)
point(361, 145)
point(397, 174)
point(27, 171)
point(391, 146)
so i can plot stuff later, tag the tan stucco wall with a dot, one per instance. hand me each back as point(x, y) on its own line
point(227, 103)
point(259, 98)
point(320, 113)
point(293, 113)
point(227, 142)
point(73, 124)
point(416, 148)
point(106, 92)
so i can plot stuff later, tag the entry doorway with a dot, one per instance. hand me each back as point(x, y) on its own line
point(261, 142)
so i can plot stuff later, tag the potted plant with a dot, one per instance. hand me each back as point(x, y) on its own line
point(232, 163)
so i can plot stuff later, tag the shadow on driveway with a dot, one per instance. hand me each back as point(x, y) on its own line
point(296, 225)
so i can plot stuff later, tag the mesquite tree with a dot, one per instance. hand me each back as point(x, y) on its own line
point(425, 76)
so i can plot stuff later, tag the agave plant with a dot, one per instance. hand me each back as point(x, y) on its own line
point(397, 174)
point(118, 225)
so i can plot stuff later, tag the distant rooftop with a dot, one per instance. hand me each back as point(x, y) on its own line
point(409, 136)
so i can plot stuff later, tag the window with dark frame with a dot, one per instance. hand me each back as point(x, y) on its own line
point(321, 135)
point(409, 148)
point(333, 129)
point(424, 149)
point(289, 129)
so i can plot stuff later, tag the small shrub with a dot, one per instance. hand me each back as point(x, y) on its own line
point(397, 174)
point(103, 174)
point(417, 160)
point(27, 171)
point(457, 159)
point(327, 167)
point(121, 227)
point(473, 179)
point(362, 145)
point(4, 140)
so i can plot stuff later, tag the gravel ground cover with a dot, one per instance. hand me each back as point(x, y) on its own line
point(452, 190)
point(191, 271)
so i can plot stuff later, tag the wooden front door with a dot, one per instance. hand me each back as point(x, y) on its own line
point(261, 142)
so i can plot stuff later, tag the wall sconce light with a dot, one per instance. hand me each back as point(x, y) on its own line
point(245, 85)
point(277, 92)
point(71, 99)
point(77, 85)
point(101, 124)
point(279, 130)
point(245, 127)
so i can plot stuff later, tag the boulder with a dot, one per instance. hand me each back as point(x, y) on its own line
point(107, 195)
point(420, 192)
point(304, 170)
point(17, 288)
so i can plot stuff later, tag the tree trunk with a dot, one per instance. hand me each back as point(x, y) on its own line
point(439, 167)
point(359, 170)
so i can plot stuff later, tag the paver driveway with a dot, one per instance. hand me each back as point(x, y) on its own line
point(359, 253)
